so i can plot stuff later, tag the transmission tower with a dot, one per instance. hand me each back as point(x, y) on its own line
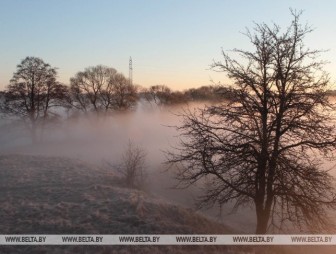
point(130, 71)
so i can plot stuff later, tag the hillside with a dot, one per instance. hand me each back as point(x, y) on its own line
point(55, 195)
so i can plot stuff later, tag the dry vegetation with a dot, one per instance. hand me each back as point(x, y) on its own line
point(52, 195)
point(56, 195)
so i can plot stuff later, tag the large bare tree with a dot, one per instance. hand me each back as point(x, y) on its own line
point(266, 146)
point(33, 92)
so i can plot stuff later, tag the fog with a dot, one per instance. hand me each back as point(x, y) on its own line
point(93, 139)
point(100, 140)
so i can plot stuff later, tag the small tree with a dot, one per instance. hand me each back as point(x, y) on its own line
point(260, 148)
point(33, 92)
point(132, 166)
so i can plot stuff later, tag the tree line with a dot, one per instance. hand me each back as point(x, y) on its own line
point(35, 96)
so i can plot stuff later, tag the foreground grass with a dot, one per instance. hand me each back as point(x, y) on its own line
point(50, 195)
point(53, 195)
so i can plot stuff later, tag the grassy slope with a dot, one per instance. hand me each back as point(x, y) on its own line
point(53, 195)
point(50, 195)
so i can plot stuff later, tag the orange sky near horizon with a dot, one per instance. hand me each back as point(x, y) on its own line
point(171, 42)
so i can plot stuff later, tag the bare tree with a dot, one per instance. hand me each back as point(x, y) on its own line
point(100, 89)
point(132, 166)
point(33, 92)
point(125, 94)
point(159, 94)
point(266, 146)
point(163, 95)
point(208, 93)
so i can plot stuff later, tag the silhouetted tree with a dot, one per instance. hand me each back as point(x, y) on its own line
point(124, 93)
point(33, 92)
point(163, 95)
point(266, 145)
point(209, 93)
point(101, 89)
point(159, 94)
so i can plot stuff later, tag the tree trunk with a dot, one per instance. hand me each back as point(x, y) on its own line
point(263, 216)
point(262, 222)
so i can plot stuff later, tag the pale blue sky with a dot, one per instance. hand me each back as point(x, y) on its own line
point(172, 42)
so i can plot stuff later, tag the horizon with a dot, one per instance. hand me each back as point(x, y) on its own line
point(171, 43)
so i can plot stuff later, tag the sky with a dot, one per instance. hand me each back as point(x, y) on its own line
point(171, 42)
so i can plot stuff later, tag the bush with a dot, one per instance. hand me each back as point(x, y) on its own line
point(132, 166)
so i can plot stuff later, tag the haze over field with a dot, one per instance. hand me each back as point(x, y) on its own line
point(100, 140)
point(96, 138)
point(90, 142)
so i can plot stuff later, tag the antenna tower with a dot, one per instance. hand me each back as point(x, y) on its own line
point(130, 71)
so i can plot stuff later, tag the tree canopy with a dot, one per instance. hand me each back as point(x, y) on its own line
point(33, 92)
point(265, 146)
point(101, 89)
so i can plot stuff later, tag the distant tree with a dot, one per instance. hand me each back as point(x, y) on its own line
point(125, 94)
point(265, 147)
point(163, 95)
point(101, 89)
point(177, 97)
point(201, 93)
point(159, 94)
point(209, 93)
point(33, 92)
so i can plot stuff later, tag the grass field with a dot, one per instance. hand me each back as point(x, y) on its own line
point(54, 195)
point(57, 195)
